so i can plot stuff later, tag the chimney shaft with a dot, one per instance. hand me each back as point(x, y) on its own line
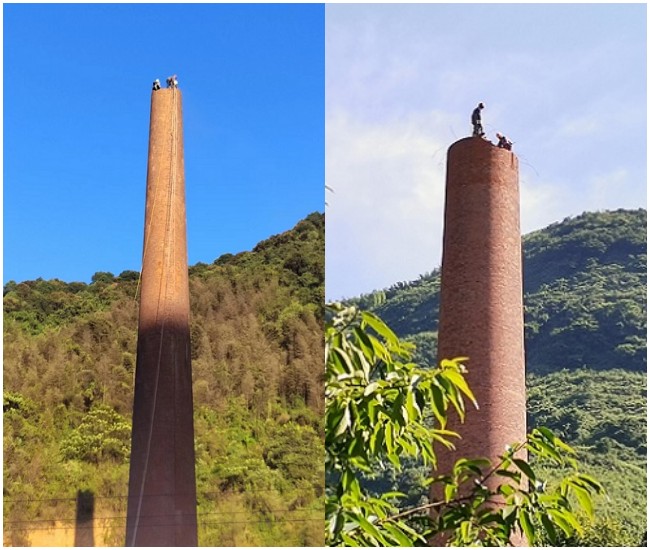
point(481, 304)
point(162, 487)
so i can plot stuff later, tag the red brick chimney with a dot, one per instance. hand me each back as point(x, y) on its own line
point(481, 307)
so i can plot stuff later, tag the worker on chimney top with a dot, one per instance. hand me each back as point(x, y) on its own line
point(172, 82)
point(504, 142)
point(156, 84)
point(476, 121)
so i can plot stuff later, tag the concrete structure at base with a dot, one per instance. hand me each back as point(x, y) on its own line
point(162, 488)
point(481, 303)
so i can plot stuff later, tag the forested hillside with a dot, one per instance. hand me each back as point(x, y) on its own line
point(585, 323)
point(585, 295)
point(257, 355)
point(257, 352)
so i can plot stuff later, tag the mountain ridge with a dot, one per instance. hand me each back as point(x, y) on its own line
point(589, 271)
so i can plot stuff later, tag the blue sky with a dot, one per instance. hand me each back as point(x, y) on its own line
point(77, 84)
point(567, 83)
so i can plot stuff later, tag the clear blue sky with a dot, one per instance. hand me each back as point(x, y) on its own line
point(77, 84)
point(566, 82)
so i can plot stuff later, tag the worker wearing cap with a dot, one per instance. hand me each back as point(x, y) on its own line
point(476, 121)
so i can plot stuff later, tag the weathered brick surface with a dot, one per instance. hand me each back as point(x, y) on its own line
point(481, 310)
point(165, 290)
point(162, 490)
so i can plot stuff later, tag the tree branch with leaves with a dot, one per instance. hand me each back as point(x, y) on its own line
point(382, 408)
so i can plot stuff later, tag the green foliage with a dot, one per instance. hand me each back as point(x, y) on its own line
point(603, 414)
point(585, 295)
point(595, 318)
point(69, 360)
point(585, 312)
point(376, 406)
point(102, 434)
point(375, 401)
point(600, 411)
point(36, 306)
point(612, 237)
point(102, 277)
point(601, 533)
point(129, 275)
point(529, 505)
point(268, 469)
point(16, 404)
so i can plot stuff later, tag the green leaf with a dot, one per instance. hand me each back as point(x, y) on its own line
point(372, 530)
point(439, 406)
point(343, 359)
point(465, 531)
point(344, 424)
point(542, 448)
point(565, 520)
point(589, 480)
point(370, 388)
point(584, 498)
point(388, 438)
point(549, 528)
point(412, 407)
point(516, 476)
point(394, 459)
point(379, 327)
point(460, 382)
point(372, 412)
point(392, 494)
point(400, 537)
point(525, 468)
point(475, 465)
point(450, 491)
point(377, 439)
point(527, 526)
point(508, 510)
point(548, 434)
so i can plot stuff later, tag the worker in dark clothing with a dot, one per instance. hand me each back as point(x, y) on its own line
point(476, 121)
point(172, 82)
point(504, 142)
point(156, 84)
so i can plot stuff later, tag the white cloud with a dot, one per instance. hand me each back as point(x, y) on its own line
point(384, 217)
point(578, 127)
point(542, 203)
point(401, 81)
point(615, 189)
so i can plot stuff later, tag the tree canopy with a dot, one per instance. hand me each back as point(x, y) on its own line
point(377, 410)
point(257, 349)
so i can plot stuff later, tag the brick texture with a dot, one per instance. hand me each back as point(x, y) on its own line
point(481, 310)
point(162, 488)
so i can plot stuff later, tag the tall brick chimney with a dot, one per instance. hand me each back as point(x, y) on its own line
point(162, 488)
point(481, 307)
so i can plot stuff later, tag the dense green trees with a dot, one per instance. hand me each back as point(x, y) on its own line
point(256, 327)
point(585, 295)
point(377, 403)
point(603, 415)
point(102, 434)
point(586, 322)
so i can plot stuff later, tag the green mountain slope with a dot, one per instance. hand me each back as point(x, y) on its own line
point(585, 295)
point(257, 352)
point(585, 323)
